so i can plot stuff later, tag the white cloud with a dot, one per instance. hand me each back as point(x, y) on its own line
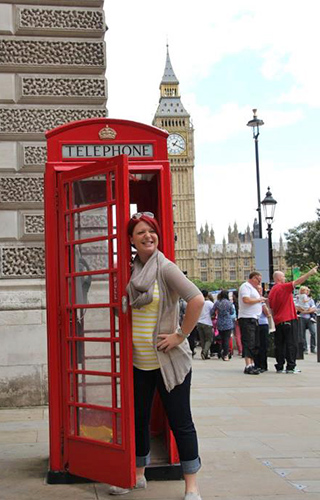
point(282, 35)
point(278, 119)
point(232, 190)
point(216, 127)
point(213, 127)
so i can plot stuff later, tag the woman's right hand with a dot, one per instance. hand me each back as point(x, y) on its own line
point(168, 341)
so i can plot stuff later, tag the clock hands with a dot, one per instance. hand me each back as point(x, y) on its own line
point(175, 144)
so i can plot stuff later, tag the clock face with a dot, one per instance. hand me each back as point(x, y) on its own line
point(176, 144)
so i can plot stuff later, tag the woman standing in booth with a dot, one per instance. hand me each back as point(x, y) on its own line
point(161, 353)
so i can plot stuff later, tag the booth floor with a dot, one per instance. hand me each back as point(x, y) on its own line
point(259, 440)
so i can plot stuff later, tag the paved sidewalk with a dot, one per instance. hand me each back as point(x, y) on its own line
point(259, 440)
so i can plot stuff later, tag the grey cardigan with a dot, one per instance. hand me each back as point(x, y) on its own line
point(172, 283)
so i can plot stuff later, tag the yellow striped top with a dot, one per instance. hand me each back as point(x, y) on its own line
point(143, 323)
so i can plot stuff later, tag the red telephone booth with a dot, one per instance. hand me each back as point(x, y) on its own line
point(98, 172)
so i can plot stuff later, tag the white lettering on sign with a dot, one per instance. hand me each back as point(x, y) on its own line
point(106, 150)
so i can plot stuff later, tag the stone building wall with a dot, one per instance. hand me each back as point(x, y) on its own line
point(52, 71)
point(234, 262)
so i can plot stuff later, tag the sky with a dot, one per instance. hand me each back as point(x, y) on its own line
point(229, 58)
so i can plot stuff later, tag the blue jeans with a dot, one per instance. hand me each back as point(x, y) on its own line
point(306, 324)
point(177, 407)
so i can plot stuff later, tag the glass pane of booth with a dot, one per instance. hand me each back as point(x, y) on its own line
point(95, 322)
point(114, 255)
point(116, 322)
point(118, 392)
point(67, 195)
point(95, 356)
point(117, 356)
point(114, 219)
point(71, 388)
point(89, 191)
point(96, 424)
point(91, 256)
point(112, 184)
point(118, 425)
point(72, 420)
point(94, 389)
point(67, 228)
point(90, 289)
point(90, 223)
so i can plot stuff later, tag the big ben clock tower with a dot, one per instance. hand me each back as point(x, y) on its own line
point(173, 117)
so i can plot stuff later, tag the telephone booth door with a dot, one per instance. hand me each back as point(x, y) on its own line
point(96, 361)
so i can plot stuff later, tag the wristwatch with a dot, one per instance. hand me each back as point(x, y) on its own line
point(180, 332)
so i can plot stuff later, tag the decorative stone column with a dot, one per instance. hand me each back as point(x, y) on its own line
point(52, 67)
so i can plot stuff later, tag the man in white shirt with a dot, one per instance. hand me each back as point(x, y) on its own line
point(250, 308)
point(204, 326)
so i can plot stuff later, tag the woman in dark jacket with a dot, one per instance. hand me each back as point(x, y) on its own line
point(225, 311)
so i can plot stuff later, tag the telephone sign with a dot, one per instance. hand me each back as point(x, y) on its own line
point(106, 150)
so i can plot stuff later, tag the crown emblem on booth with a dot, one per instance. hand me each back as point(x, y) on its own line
point(107, 133)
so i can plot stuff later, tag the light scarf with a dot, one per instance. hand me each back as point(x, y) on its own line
point(141, 285)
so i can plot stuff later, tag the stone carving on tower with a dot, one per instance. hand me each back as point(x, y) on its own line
point(173, 117)
point(52, 57)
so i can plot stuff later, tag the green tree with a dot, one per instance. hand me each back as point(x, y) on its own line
point(303, 250)
point(216, 285)
point(313, 282)
point(304, 244)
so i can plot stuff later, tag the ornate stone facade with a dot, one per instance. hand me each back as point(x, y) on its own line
point(232, 261)
point(33, 224)
point(34, 155)
point(52, 88)
point(22, 262)
point(33, 122)
point(45, 54)
point(49, 19)
point(21, 190)
point(71, 3)
point(52, 56)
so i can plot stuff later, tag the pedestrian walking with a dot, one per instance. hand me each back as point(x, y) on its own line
point(236, 327)
point(204, 326)
point(225, 311)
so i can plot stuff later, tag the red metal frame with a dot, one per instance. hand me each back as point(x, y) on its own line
point(78, 454)
point(71, 452)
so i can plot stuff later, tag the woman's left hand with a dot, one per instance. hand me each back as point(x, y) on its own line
point(168, 341)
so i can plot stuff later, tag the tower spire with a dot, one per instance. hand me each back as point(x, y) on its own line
point(169, 75)
point(170, 102)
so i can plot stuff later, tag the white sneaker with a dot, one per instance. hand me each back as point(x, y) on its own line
point(295, 370)
point(192, 496)
point(141, 484)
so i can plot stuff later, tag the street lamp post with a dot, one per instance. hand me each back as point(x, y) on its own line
point(255, 123)
point(269, 206)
